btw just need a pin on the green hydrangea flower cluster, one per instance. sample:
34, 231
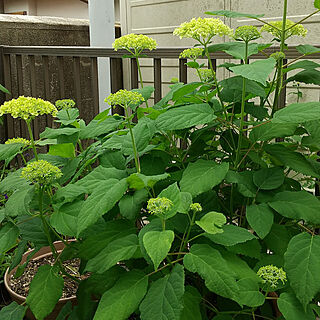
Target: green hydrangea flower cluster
65, 104
206, 75
278, 55
247, 33
135, 42
195, 207
124, 98
297, 30
192, 53
27, 108
41, 172
271, 275
159, 206
203, 29
23, 141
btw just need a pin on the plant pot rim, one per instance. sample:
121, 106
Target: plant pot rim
8, 274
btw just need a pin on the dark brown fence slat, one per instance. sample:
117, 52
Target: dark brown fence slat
46, 78
33, 86
94, 84
134, 74
214, 64
61, 77
7, 83
157, 79
183, 70
3, 133
116, 74
19, 125
76, 78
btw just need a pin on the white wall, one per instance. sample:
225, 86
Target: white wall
15, 6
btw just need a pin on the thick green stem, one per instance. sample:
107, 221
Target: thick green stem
189, 230
32, 140
135, 152
280, 61
242, 116
140, 76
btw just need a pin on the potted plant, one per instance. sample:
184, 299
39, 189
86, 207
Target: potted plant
224, 227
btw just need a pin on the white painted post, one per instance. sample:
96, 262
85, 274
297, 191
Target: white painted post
102, 34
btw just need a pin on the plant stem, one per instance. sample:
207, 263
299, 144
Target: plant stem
140, 76
243, 103
167, 265
136, 156
186, 240
32, 140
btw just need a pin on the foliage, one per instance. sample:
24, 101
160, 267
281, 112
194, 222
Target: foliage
201, 209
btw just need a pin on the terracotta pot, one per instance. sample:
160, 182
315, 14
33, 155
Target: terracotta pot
43, 252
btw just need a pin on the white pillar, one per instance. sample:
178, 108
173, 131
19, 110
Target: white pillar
102, 22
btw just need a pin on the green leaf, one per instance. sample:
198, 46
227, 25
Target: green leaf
186, 89
172, 193
19, 202
139, 181
3, 89
13, 181
64, 219
233, 14
146, 92
113, 159
50, 133
231, 235
117, 250
65, 311
13, 311
251, 248
45, 291
307, 49
303, 64
157, 245
260, 218
210, 265
249, 293
291, 308
202, 176
164, 298
106, 195
130, 205
97, 128
67, 117
272, 130
65, 150
212, 222
123, 298
244, 181
185, 117
298, 113
297, 205
302, 263
191, 304
294, 160
268, 178
186, 201
9, 151
8, 236
256, 71
278, 238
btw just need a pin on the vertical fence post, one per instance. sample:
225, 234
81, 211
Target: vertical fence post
116, 76
2, 95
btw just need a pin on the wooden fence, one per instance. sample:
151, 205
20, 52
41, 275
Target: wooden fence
26, 70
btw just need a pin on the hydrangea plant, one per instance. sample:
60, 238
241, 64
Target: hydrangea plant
204, 208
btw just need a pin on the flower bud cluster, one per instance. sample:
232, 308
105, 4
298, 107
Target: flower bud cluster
65, 104
159, 206
195, 207
271, 275
23, 141
206, 75
247, 33
192, 53
136, 42
124, 98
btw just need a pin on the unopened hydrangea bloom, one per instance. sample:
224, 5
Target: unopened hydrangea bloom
23, 141
298, 30
159, 205
271, 275
192, 53
203, 29
134, 43
206, 75
27, 108
195, 207
124, 98
247, 33
65, 104
278, 55
41, 172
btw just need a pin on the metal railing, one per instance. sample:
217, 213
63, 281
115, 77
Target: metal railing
71, 72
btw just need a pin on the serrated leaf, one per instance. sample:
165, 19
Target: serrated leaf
231, 235
277, 239
202, 176
268, 178
19, 201
9, 151
123, 298
298, 113
191, 304
117, 250
164, 298
172, 193
13, 181
294, 160
233, 14
8, 236
260, 218
130, 205
251, 248
302, 263
45, 291
97, 128
297, 205
157, 245
256, 71
249, 294
106, 195
212, 222
139, 181
291, 308
307, 49
64, 150
185, 117
272, 130
50, 133
13, 311
210, 265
